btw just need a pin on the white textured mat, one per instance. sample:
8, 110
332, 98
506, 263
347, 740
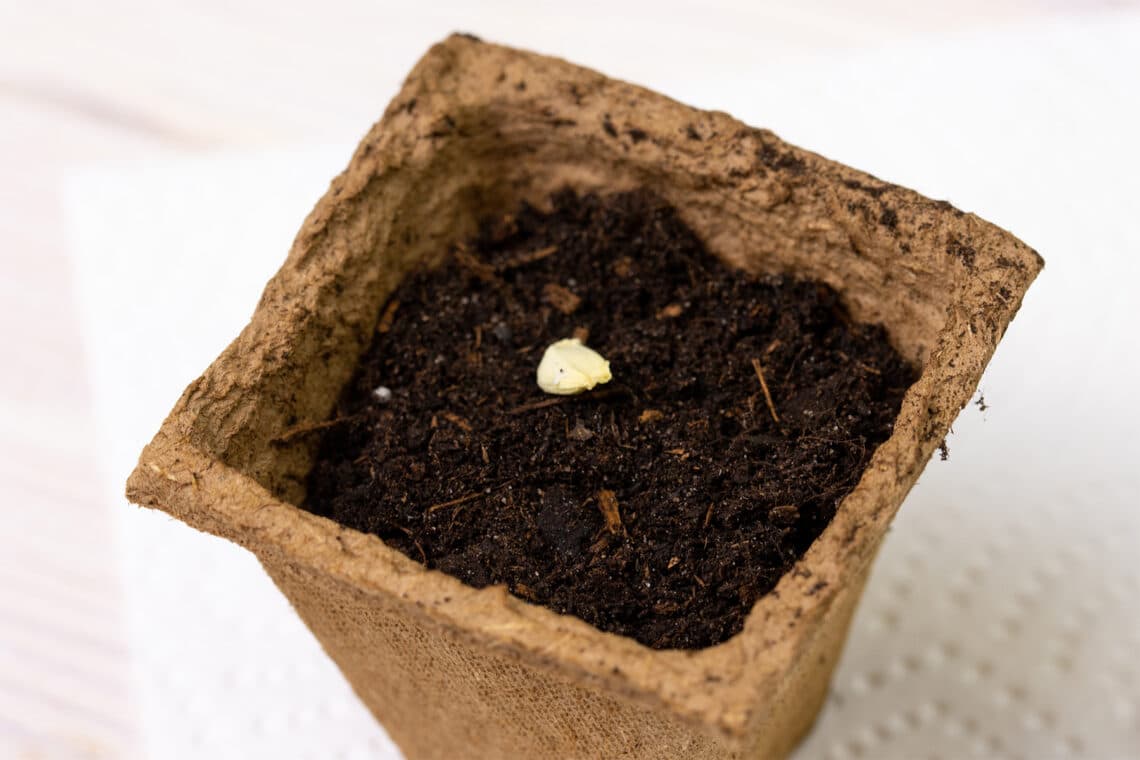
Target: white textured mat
1002, 617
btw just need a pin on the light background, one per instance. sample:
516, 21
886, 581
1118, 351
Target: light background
999, 621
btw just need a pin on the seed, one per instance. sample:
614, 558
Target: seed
568, 367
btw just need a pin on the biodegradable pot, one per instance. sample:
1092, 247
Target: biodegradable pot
457, 672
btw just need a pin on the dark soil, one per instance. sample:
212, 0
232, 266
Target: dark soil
660, 506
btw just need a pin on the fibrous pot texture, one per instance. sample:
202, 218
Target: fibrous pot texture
453, 671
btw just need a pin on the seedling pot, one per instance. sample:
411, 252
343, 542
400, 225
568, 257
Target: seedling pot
457, 672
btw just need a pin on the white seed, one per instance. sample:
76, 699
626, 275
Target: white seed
569, 367
383, 394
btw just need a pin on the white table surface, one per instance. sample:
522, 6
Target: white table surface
124, 82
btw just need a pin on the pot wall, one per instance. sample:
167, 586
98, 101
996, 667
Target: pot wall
441, 698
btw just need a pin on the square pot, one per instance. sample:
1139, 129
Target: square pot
453, 671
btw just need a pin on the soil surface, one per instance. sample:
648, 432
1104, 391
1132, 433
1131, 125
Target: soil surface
659, 506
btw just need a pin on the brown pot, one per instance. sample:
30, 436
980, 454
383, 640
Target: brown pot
457, 672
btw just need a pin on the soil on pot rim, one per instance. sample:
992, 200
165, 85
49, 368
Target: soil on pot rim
659, 506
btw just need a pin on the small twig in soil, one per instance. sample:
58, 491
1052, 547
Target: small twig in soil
764, 386
454, 502
458, 421
385, 323
540, 404
597, 395
295, 432
529, 258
